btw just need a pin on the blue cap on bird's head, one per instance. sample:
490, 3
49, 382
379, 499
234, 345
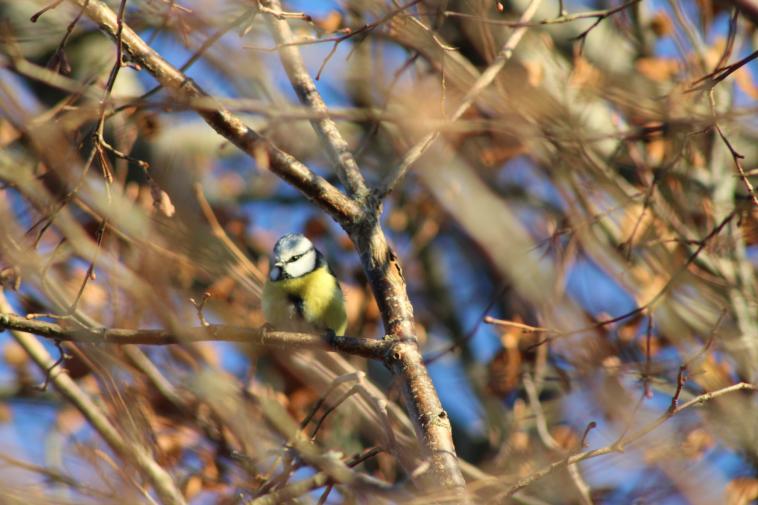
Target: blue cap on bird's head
291, 244
294, 255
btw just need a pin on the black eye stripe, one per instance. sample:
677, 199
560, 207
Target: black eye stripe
298, 256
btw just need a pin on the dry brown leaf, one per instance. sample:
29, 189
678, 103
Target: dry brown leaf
656, 453
300, 401
627, 331
10, 278
69, 420
658, 69
6, 414
14, 355
612, 365
397, 220
585, 74
661, 24
503, 372
329, 23
496, 155
535, 72
173, 442
519, 441
209, 352
315, 227
749, 227
745, 82
8, 133
163, 204
565, 436
741, 491
713, 374
696, 443
193, 487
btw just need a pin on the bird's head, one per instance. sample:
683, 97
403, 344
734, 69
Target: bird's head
294, 256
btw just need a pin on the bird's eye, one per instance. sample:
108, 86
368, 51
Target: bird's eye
295, 258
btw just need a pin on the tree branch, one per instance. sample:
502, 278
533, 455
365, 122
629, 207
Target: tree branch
161, 480
372, 349
625, 440
484, 80
336, 146
361, 221
316, 188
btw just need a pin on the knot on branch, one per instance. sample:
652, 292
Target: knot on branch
439, 418
398, 348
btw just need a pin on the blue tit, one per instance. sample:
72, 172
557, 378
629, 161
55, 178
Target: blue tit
302, 293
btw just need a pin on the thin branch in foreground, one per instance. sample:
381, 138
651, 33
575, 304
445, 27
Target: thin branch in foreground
736, 156
316, 481
161, 480
368, 348
561, 19
710, 80
58, 362
314, 187
620, 444
212, 39
551, 334
484, 80
200, 308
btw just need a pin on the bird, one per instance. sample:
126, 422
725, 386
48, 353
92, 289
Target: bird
301, 292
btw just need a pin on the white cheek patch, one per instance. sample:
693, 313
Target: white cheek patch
304, 265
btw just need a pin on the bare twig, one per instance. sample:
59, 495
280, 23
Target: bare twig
199, 308
544, 433
710, 80
361, 221
207, 43
320, 191
259, 336
737, 157
701, 244
620, 444
161, 480
484, 80
336, 146
58, 362
314, 482
562, 18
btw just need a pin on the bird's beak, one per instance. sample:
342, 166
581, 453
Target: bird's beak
276, 271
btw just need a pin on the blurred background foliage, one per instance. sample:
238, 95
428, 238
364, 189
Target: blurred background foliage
588, 182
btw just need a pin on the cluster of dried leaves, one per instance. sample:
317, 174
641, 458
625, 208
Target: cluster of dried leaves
538, 147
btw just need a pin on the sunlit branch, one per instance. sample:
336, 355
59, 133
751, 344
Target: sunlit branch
316, 188
369, 348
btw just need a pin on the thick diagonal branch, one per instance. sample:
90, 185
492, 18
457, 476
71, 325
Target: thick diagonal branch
316, 188
361, 221
422, 403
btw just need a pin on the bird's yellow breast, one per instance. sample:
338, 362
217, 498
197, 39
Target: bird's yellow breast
323, 306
